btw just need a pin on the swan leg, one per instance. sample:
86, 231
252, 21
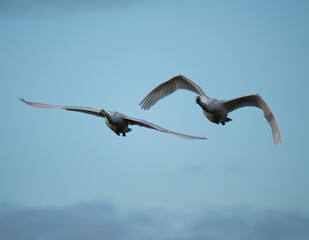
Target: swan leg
226, 120
118, 134
123, 134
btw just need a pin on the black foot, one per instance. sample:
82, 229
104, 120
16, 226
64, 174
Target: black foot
118, 134
223, 123
124, 134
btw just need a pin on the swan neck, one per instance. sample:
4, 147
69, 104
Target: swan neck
107, 116
203, 105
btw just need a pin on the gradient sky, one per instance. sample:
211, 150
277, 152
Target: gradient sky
60, 170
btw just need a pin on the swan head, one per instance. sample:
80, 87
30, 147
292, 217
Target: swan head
197, 99
102, 112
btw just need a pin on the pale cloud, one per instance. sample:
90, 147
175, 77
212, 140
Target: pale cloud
102, 221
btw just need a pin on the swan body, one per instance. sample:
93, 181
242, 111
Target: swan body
117, 122
215, 110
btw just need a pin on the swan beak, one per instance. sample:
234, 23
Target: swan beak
197, 99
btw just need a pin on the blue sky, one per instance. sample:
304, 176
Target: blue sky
59, 166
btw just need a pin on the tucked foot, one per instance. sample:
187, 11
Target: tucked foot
123, 134
226, 120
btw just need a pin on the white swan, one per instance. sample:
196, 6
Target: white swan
117, 122
215, 110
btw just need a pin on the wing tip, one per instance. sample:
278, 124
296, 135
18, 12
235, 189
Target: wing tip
277, 141
145, 107
23, 100
277, 138
194, 138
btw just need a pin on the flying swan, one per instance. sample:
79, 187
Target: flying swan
117, 122
215, 110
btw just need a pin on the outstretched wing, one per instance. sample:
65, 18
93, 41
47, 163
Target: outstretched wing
255, 100
143, 123
167, 88
77, 109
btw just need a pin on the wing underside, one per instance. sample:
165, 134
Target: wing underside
169, 87
143, 123
255, 100
69, 108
